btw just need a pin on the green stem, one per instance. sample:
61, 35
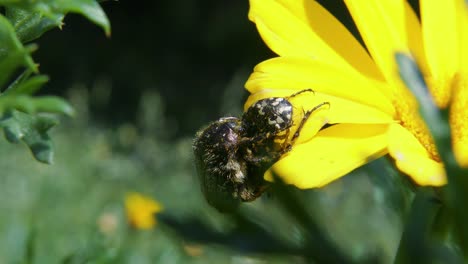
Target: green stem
455, 194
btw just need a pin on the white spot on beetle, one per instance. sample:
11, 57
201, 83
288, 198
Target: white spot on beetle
285, 108
279, 120
276, 101
260, 111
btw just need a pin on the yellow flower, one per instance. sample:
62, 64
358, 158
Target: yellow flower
371, 112
141, 210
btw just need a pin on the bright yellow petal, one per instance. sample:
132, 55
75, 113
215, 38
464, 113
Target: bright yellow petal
458, 121
331, 154
413, 159
304, 28
340, 110
385, 26
459, 106
439, 23
424, 171
414, 38
462, 27
141, 210
301, 73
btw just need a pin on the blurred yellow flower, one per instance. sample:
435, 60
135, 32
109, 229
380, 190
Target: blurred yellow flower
371, 112
141, 210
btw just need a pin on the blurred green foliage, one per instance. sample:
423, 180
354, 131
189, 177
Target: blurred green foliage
73, 212
436, 229
21, 22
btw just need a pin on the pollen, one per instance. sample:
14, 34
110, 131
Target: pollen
406, 110
453, 94
440, 89
459, 119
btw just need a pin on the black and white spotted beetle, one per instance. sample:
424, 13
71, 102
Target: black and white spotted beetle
232, 154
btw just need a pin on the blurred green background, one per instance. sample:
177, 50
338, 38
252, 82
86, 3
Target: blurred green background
169, 68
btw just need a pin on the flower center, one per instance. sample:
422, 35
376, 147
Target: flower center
440, 90
453, 92
406, 109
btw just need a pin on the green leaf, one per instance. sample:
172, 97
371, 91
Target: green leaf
437, 120
52, 104
9, 43
28, 104
32, 130
30, 25
9, 64
23, 86
12, 53
89, 9
417, 244
32, 18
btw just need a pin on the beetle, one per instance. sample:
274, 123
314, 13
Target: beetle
223, 172
232, 154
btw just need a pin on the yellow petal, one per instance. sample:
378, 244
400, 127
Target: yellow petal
331, 154
301, 73
439, 29
458, 121
340, 110
414, 38
462, 27
141, 210
385, 26
413, 159
304, 28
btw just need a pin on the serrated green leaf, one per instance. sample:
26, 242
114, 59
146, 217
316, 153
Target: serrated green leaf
10, 44
9, 64
19, 79
12, 53
30, 24
55, 10
44, 122
41, 147
32, 130
13, 132
89, 9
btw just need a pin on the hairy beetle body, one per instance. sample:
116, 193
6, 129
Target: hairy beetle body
232, 154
